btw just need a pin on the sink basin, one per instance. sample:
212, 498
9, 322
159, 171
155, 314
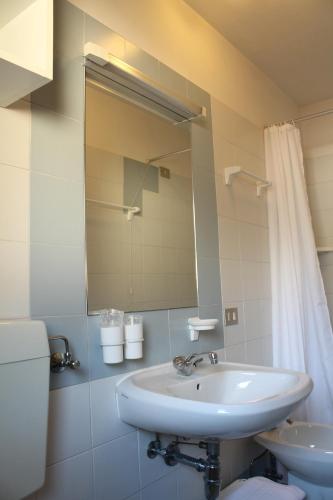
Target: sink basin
227, 400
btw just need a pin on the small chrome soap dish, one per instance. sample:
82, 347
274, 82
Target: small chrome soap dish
197, 325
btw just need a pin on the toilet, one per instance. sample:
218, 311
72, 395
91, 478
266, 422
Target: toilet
24, 396
306, 450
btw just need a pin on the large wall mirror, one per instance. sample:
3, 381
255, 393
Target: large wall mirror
139, 206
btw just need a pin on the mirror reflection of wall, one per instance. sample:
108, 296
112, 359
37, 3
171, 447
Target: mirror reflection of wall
147, 262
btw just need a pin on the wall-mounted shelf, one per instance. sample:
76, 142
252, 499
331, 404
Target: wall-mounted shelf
26, 47
197, 325
131, 211
231, 172
324, 249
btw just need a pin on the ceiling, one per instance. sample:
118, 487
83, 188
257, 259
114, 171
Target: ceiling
290, 40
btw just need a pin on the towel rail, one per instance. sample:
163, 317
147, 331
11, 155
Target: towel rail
131, 211
231, 172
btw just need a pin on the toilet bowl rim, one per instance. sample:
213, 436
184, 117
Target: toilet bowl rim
276, 437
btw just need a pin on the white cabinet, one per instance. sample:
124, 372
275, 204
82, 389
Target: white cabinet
26, 47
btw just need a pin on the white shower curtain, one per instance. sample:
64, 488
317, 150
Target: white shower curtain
302, 333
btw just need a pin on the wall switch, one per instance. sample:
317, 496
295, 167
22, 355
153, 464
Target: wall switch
231, 316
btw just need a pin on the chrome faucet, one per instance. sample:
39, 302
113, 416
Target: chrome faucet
185, 364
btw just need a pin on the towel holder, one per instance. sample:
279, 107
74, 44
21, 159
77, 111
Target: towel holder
231, 172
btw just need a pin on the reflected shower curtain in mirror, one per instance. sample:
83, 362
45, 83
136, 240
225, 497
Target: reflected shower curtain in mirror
302, 333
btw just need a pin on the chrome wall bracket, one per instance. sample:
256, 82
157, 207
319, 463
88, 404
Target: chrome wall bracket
210, 466
61, 360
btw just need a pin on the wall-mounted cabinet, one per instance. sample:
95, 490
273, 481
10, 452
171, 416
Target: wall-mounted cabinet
26, 47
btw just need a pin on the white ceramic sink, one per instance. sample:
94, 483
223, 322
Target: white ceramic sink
227, 400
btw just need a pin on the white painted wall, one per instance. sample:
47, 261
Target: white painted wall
176, 35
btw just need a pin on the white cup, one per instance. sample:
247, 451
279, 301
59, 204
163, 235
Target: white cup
133, 328
112, 335
113, 354
133, 349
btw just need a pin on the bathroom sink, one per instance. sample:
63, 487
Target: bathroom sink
227, 400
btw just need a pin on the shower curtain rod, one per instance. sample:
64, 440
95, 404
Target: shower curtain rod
304, 118
166, 155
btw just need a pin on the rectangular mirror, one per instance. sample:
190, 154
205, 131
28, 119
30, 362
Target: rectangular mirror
139, 206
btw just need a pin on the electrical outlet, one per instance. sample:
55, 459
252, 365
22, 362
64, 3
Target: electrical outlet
231, 316
165, 172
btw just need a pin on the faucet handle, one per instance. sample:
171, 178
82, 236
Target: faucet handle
61, 360
213, 358
197, 361
179, 362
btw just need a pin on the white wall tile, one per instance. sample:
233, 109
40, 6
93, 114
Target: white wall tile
325, 259
105, 422
14, 203
69, 480
163, 489
225, 198
320, 195
317, 133
249, 162
236, 353
151, 469
256, 280
231, 281
251, 248
241, 452
227, 457
69, 422
249, 208
15, 133
259, 351
190, 484
322, 223
319, 169
225, 152
229, 239
14, 277
116, 468
252, 319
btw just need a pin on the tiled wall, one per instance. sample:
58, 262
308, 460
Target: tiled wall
243, 233
317, 138
82, 407
57, 214
86, 438
92, 455
244, 254
14, 210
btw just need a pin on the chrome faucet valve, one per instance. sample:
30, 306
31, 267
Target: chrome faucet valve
185, 364
61, 360
213, 358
